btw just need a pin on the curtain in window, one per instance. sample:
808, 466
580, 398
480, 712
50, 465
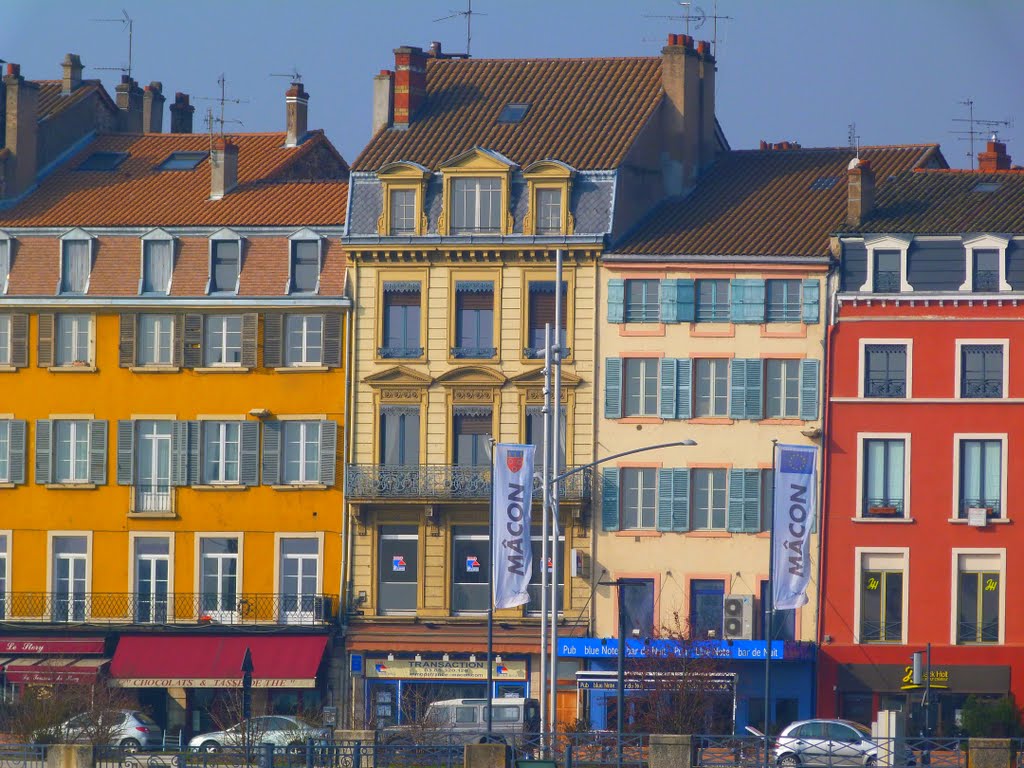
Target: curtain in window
76, 266
982, 468
156, 277
400, 435
884, 464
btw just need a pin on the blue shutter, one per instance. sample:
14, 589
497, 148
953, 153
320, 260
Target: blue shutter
809, 389
755, 393
125, 452
249, 453
736, 501
665, 500
751, 500
747, 301
44, 446
16, 451
272, 452
738, 389
616, 301
684, 379
669, 390
669, 294
686, 303
680, 499
610, 499
98, 452
613, 388
811, 301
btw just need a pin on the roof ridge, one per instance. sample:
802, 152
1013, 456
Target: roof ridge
792, 149
972, 171
542, 58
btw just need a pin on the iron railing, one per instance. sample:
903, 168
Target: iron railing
732, 751
992, 507
885, 388
972, 387
986, 280
22, 756
411, 353
881, 631
783, 312
475, 353
443, 481
887, 282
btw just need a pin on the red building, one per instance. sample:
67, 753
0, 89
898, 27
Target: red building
922, 536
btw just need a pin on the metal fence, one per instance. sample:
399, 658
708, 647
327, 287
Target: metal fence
443, 481
748, 752
22, 756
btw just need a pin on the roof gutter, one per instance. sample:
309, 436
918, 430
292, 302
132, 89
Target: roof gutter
193, 302
711, 259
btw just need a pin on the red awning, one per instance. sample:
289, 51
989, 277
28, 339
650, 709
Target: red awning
169, 661
58, 646
43, 670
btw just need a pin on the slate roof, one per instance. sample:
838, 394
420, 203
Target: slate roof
585, 112
52, 102
774, 202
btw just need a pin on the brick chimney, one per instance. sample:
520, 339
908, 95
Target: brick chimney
708, 142
223, 168
72, 66
383, 100
129, 104
181, 114
410, 83
681, 115
153, 108
297, 114
860, 192
21, 133
994, 158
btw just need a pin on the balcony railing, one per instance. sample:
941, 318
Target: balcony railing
986, 281
990, 505
982, 388
443, 481
410, 353
163, 609
886, 388
887, 282
881, 631
475, 353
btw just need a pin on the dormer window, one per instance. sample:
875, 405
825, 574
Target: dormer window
986, 264
157, 263
887, 272
887, 264
549, 211
305, 266
476, 206
548, 184
5, 262
225, 262
75, 262
986, 271
513, 113
403, 212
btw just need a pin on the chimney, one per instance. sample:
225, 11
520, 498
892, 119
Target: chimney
680, 78
181, 114
297, 109
72, 66
153, 108
410, 83
708, 142
383, 100
223, 168
860, 192
21, 132
994, 158
129, 104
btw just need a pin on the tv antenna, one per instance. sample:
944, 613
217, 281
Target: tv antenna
977, 128
853, 138
695, 15
128, 23
469, 13
294, 76
222, 100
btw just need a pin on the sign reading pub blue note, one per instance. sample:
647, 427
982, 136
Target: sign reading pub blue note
511, 499
796, 480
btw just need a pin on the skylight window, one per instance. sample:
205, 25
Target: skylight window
986, 186
103, 161
513, 113
824, 182
182, 161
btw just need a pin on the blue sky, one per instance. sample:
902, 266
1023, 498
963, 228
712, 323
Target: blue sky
798, 70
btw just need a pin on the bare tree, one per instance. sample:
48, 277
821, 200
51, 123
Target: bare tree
89, 714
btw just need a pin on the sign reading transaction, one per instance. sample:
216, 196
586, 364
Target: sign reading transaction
439, 669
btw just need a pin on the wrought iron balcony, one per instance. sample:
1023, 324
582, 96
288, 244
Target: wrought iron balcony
410, 353
881, 631
986, 281
991, 506
884, 508
475, 353
886, 388
443, 481
887, 282
981, 388
177, 608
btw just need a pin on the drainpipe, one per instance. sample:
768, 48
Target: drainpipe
346, 527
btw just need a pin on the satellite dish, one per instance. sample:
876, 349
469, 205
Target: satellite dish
853, 164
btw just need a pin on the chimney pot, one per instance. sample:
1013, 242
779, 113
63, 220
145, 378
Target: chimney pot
860, 192
704, 48
223, 168
130, 105
994, 158
296, 114
181, 114
153, 108
763, 145
435, 49
72, 73
14, 70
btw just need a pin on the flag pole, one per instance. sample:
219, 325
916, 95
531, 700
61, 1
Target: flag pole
545, 477
769, 616
490, 591
556, 428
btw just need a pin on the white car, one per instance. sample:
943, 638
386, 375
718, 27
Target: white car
834, 744
279, 730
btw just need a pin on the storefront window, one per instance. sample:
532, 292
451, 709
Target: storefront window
471, 561
397, 568
637, 601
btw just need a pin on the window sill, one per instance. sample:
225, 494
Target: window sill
5, 484
8, 369
642, 329
145, 515
301, 487
641, 420
71, 486
302, 369
775, 330
712, 330
154, 368
991, 521
219, 487
222, 369
884, 520
645, 533
72, 369
709, 534
789, 422
711, 420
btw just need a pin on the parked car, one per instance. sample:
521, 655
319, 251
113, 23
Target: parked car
129, 729
279, 730
834, 744
512, 721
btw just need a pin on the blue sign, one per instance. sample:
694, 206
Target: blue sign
356, 663
741, 650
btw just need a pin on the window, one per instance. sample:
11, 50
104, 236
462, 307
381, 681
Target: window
157, 266
783, 623
5, 452
70, 557
549, 211
885, 370
75, 266
182, 161
220, 452
782, 394
73, 347
981, 469
887, 271
636, 598
403, 211
219, 576
5, 339
981, 370
399, 435
476, 206
978, 600
305, 255
986, 271
304, 344
535, 433
301, 452
783, 301
157, 340
152, 578
639, 507
3, 574
513, 113
711, 387
472, 431
224, 265
397, 569
401, 322
153, 466
642, 303
707, 598
640, 397
542, 312
884, 481
712, 301
471, 562
709, 499
534, 588
102, 161
300, 559
222, 343
881, 606
71, 439
5, 261
474, 319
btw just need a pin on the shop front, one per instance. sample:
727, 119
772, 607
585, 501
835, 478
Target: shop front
51, 661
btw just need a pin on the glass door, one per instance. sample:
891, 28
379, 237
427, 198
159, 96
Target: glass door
69, 587
152, 579
299, 563
153, 482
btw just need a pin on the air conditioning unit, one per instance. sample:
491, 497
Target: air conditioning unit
738, 617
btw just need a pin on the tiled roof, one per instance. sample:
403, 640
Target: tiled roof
775, 202
584, 112
305, 185
949, 202
52, 102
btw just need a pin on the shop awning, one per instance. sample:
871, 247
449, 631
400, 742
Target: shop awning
170, 661
45, 670
51, 646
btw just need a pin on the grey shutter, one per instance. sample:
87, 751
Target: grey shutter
811, 301
665, 500
328, 452
738, 389
737, 507
250, 331
684, 380
44, 447
192, 341
272, 452
332, 339
195, 437
179, 453
809, 389
126, 346
616, 301
44, 356
680, 499
19, 340
669, 294
751, 500
755, 389
249, 453
610, 499
178, 352
16, 451
125, 452
687, 302
613, 388
668, 375
98, 452
273, 340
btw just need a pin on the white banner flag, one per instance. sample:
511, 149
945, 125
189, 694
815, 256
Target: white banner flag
796, 482
511, 498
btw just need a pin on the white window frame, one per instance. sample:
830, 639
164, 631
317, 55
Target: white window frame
539, 227
220, 424
155, 234
986, 242
907, 454
133, 536
77, 424
6, 253
646, 383
7, 535
962, 557
145, 498
75, 234
304, 424
392, 209
208, 363
783, 391
710, 499
727, 362
888, 559
887, 243
226, 617
223, 234
300, 615
958, 367
863, 364
286, 346
1004, 467
475, 227
87, 535
302, 234
638, 501
6, 322
139, 346
5, 454
91, 342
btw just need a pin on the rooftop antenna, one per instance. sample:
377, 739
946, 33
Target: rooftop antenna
294, 76
128, 23
853, 138
469, 13
984, 128
222, 100
694, 15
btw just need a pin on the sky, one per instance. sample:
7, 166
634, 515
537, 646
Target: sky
796, 70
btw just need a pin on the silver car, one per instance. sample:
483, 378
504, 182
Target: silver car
279, 730
833, 743
126, 728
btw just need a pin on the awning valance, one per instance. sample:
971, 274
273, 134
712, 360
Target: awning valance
46, 670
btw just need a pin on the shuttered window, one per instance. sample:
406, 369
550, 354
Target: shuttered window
711, 387
640, 392
5, 451
782, 390
222, 340
5, 262
784, 301
5, 339
638, 498
221, 447
73, 346
708, 506
542, 312
71, 451
156, 340
301, 452
304, 337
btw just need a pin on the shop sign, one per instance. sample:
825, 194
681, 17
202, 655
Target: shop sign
608, 648
439, 669
63, 646
962, 678
210, 682
939, 679
51, 676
